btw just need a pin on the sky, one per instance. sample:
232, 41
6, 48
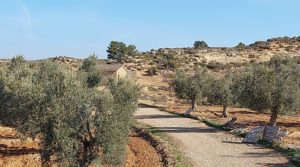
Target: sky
40, 29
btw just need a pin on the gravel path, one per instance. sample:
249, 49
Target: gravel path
209, 147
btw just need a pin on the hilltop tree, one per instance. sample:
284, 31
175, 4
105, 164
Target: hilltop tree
274, 86
200, 45
241, 46
191, 87
219, 93
131, 50
119, 50
74, 122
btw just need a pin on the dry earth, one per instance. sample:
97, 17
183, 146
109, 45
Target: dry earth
208, 147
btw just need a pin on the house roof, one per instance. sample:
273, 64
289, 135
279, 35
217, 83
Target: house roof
110, 67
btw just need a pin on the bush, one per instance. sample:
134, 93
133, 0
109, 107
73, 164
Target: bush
89, 67
89, 64
94, 78
213, 65
152, 71
241, 46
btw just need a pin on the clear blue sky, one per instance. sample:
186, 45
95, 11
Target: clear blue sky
45, 28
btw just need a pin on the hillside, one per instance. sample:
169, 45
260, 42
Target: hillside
218, 58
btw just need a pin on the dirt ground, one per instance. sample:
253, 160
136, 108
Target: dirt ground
156, 93
18, 153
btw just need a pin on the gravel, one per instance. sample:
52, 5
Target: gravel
209, 147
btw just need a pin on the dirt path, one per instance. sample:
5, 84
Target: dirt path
208, 147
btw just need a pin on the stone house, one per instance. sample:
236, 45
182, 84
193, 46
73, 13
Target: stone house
117, 71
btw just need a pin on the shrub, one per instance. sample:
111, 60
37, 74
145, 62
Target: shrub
241, 46
152, 71
89, 64
93, 75
213, 65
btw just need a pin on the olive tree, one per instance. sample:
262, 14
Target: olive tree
191, 86
74, 122
89, 64
219, 93
274, 86
94, 75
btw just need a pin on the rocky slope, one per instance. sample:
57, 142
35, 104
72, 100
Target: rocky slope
218, 58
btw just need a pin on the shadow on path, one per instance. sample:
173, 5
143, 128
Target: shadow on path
182, 130
156, 116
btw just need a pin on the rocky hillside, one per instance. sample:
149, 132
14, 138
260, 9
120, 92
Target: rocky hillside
218, 58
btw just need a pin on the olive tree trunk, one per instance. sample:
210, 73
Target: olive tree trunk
225, 112
194, 104
274, 115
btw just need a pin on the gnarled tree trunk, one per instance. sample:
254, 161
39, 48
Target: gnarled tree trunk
225, 112
194, 104
274, 115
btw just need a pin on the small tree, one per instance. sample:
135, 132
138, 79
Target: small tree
241, 46
89, 66
191, 87
200, 45
274, 86
219, 93
131, 50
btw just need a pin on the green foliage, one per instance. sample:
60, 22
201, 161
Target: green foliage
131, 50
252, 88
17, 61
274, 86
75, 122
94, 78
219, 91
93, 75
191, 87
241, 46
89, 64
118, 51
200, 45
168, 61
118, 120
